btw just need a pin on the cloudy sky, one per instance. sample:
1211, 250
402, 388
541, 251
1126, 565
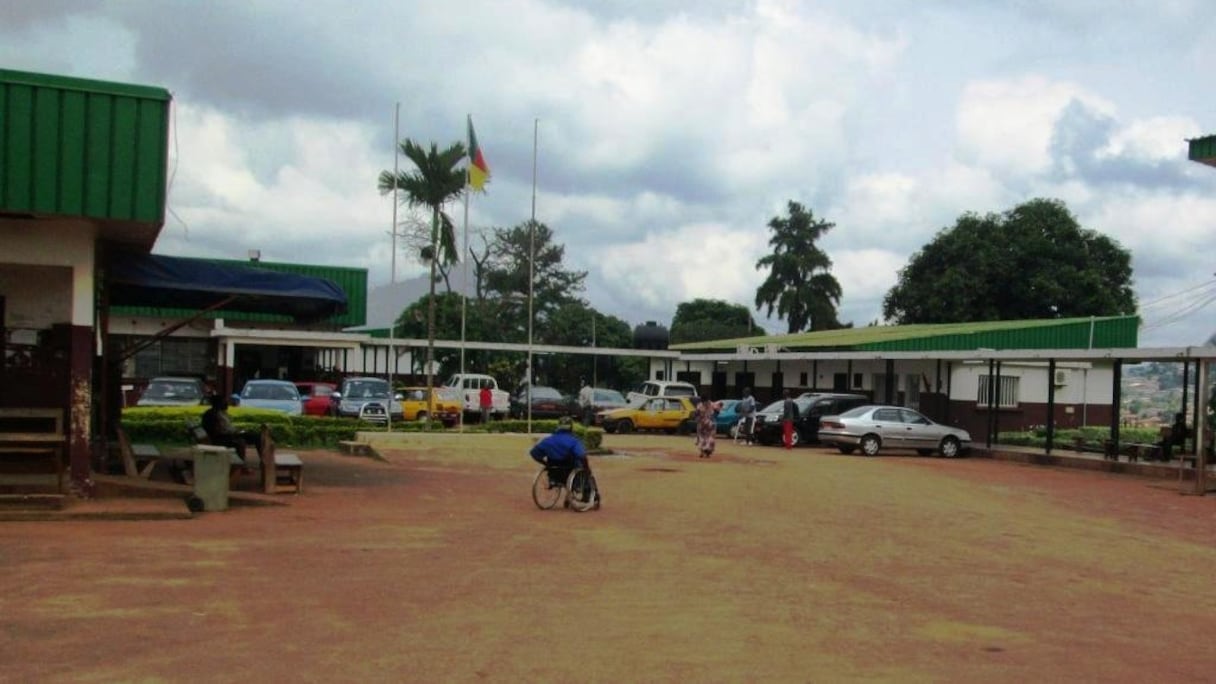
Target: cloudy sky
669, 133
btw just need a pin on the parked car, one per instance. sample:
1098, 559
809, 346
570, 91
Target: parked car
172, 392
725, 418
661, 388
872, 428
356, 393
656, 413
317, 398
592, 400
547, 402
273, 395
445, 405
811, 407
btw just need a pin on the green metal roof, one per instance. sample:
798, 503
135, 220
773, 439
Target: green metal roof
1203, 150
353, 282
1054, 333
77, 147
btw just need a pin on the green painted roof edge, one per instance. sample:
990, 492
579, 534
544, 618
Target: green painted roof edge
1202, 150
888, 337
30, 78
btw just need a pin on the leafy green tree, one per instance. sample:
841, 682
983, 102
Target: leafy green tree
1033, 261
506, 273
436, 180
711, 319
799, 283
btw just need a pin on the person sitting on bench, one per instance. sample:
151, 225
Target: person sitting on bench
222, 432
1177, 437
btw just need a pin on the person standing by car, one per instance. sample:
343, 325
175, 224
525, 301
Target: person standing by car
707, 427
747, 417
789, 411
485, 399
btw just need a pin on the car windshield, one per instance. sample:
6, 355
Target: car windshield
365, 389
268, 391
609, 396
168, 389
543, 393
856, 412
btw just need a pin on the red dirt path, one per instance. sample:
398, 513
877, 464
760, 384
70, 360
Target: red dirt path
759, 564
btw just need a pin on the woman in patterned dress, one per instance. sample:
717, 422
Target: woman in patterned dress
706, 427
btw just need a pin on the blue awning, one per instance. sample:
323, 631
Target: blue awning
136, 279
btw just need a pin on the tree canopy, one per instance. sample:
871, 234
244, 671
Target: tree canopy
1033, 261
499, 312
711, 319
799, 284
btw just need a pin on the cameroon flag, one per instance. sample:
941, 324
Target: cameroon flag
479, 171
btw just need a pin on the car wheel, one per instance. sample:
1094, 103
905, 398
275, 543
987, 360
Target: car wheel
625, 426
870, 444
421, 417
796, 438
846, 450
950, 447
733, 431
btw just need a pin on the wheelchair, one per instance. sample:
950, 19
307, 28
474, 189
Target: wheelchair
576, 486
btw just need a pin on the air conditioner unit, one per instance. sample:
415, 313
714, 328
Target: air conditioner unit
1061, 377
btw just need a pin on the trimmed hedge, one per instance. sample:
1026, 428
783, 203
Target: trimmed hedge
167, 426
1091, 437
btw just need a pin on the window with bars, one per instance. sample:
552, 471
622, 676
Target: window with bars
1006, 391
173, 357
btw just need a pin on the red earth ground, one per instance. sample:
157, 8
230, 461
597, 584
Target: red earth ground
759, 564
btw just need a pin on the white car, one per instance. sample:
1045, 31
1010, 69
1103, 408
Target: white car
872, 428
661, 388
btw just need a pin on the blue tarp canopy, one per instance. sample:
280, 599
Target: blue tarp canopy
136, 279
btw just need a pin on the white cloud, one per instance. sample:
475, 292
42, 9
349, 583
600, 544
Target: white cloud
1007, 125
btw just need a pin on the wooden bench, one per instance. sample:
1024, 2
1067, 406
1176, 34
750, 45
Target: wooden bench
138, 460
354, 448
281, 472
35, 432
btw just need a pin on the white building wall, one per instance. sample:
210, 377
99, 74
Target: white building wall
46, 272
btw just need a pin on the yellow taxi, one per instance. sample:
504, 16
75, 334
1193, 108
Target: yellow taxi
655, 413
445, 405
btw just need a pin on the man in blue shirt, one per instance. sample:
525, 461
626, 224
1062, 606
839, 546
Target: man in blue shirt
563, 452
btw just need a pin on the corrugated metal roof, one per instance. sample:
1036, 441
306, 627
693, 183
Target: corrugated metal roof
77, 147
1055, 333
353, 282
1203, 150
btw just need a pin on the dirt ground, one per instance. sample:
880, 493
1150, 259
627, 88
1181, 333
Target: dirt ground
758, 565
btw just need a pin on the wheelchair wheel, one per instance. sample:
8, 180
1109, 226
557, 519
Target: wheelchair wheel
544, 494
582, 491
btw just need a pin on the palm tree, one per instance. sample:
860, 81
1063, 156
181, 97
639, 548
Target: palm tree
799, 283
437, 179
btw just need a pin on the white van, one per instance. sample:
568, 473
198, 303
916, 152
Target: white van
661, 388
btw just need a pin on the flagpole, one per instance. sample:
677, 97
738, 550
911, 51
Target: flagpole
392, 324
464, 287
531, 259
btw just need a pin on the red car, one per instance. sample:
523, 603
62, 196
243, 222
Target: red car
315, 397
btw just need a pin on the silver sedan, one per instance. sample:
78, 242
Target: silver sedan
872, 428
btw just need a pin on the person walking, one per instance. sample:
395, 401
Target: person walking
706, 427
747, 418
789, 411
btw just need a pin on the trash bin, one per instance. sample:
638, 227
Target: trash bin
211, 464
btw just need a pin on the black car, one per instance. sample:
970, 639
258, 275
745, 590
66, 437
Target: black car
811, 407
547, 402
